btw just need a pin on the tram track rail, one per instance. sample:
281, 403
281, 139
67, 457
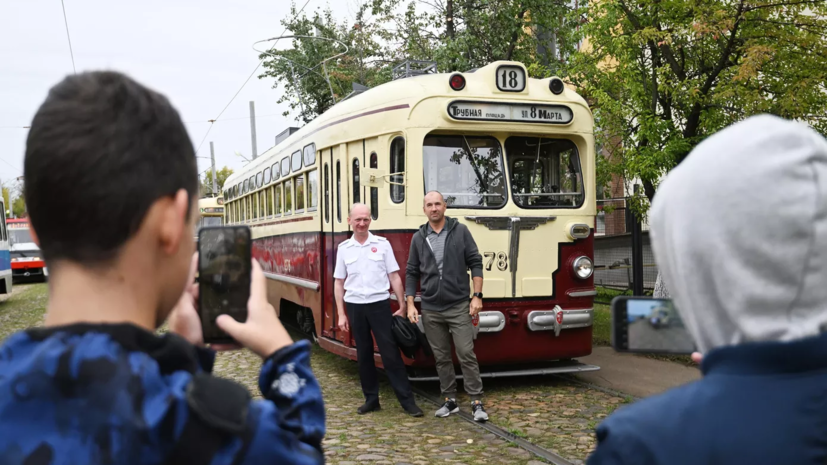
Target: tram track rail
545, 454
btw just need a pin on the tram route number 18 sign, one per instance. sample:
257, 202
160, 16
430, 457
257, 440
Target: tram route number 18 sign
522, 112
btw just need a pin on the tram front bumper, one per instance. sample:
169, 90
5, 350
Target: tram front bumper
558, 319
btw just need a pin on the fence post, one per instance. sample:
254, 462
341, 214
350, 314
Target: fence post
637, 250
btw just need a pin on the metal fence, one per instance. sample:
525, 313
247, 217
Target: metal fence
618, 236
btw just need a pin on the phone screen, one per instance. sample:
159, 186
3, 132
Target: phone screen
224, 274
648, 325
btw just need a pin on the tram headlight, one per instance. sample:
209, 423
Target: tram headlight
583, 267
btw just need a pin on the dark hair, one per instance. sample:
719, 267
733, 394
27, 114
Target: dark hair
101, 150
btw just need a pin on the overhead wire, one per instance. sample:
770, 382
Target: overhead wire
66, 22
212, 121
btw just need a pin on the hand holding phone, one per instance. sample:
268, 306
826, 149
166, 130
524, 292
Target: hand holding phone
648, 325
262, 333
232, 293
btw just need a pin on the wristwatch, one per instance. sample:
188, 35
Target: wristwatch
477, 294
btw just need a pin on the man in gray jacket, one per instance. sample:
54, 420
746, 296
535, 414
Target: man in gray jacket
442, 252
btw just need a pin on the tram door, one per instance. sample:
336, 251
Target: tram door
337, 229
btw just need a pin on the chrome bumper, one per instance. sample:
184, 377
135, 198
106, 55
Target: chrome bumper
558, 319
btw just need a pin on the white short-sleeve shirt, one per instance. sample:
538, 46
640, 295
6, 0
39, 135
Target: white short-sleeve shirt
365, 268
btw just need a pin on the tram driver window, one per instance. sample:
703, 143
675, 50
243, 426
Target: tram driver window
545, 173
467, 170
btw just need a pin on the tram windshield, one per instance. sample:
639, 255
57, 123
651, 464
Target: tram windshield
19, 236
212, 221
467, 170
545, 173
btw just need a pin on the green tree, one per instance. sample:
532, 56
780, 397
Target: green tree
663, 75
311, 88
6, 198
467, 34
220, 177
19, 207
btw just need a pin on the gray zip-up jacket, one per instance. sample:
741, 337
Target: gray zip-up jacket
460, 255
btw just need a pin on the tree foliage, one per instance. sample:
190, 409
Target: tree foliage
220, 177
663, 75
459, 35
310, 87
19, 207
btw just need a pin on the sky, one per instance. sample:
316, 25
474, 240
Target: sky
197, 53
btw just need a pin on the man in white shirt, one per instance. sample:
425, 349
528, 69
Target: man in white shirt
365, 268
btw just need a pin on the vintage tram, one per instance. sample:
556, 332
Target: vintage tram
514, 158
211, 213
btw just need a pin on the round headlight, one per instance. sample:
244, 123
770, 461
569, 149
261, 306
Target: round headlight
583, 267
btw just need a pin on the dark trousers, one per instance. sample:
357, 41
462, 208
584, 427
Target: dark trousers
377, 317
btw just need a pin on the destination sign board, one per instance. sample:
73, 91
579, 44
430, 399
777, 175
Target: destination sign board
517, 112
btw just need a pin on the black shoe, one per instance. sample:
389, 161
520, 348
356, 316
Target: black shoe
413, 410
368, 407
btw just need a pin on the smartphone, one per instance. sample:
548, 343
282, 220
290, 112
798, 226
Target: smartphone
224, 275
649, 325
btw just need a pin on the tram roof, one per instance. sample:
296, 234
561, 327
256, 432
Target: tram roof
479, 84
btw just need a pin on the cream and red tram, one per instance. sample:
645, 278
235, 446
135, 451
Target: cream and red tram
514, 158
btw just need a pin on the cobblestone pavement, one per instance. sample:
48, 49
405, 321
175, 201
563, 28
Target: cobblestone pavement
549, 412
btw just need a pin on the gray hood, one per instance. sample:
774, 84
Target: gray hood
739, 231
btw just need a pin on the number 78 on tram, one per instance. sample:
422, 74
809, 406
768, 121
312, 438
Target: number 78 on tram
514, 158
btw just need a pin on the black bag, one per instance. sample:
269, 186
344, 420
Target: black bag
407, 336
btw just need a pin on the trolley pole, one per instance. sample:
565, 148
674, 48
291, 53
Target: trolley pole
253, 127
212, 158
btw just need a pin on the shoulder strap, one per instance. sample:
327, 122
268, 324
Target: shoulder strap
218, 411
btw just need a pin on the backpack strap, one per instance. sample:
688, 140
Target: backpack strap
218, 410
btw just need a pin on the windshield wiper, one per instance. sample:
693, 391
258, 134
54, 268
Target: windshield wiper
483, 184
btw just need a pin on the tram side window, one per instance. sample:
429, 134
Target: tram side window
313, 190
326, 193
262, 202
397, 166
356, 188
278, 190
339, 191
275, 168
285, 166
249, 208
255, 206
545, 173
243, 209
299, 194
467, 170
269, 194
310, 155
288, 197
374, 191
296, 160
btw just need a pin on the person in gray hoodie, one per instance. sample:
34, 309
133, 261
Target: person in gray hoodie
739, 231
442, 252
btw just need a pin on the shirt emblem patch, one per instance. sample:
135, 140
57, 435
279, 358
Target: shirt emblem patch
373, 249
289, 383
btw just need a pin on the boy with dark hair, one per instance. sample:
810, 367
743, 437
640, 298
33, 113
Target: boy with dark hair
111, 187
